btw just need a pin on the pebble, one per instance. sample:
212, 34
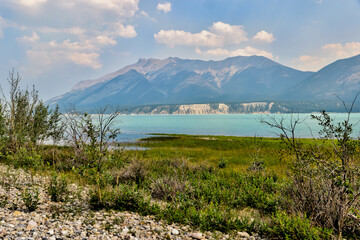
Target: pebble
197, 235
243, 234
31, 225
175, 232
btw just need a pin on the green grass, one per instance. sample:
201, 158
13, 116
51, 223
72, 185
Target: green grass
239, 152
201, 181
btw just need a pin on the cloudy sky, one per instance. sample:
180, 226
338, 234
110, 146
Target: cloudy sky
56, 43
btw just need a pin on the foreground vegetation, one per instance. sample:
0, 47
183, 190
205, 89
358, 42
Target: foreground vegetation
282, 188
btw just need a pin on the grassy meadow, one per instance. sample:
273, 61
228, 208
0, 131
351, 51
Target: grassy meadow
212, 183
236, 152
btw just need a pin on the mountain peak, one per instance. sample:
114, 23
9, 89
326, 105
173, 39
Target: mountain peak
180, 81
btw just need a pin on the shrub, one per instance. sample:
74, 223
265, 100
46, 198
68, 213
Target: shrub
168, 187
257, 166
210, 217
295, 227
135, 171
123, 198
58, 189
222, 163
128, 198
26, 158
325, 178
26, 120
3, 200
91, 136
30, 198
101, 199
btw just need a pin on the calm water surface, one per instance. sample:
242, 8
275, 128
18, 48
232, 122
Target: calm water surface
138, 126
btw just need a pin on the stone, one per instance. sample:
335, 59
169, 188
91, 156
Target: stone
31, 225
174, 232
157, 229
197, 235
243, 234
17, 213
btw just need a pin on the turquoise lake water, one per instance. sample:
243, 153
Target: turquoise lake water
138, 126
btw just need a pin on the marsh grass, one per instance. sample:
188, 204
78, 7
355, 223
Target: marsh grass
238, 152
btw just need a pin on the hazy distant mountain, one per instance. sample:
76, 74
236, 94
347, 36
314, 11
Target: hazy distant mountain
181, 81
341, 78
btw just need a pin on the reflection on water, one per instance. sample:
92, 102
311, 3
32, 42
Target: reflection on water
136, 126
136, 148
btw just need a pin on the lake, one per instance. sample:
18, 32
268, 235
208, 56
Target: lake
138, 126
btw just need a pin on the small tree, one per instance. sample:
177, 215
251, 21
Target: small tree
25, 120
92, 135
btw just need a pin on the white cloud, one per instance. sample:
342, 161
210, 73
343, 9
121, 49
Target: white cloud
127, 31
31, 3
46, 55
29, 39
145, 14
84, 51
71, 30
122, 7
250, 51
172, 38
230, 34
311, 63
339, 50
213, 52
219, 34
247, 51
165, 7
88, 27
328, 54
85, 59
264, 36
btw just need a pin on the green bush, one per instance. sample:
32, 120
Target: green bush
30, 198
222, 163
26, 158
288, 227
123, 198
24, 119
58, 189
128, 198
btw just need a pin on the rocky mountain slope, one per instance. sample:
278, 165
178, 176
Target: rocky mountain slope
210, 108
341, 78
181, 81
164, 85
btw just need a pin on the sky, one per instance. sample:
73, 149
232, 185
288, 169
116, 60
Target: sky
54, 44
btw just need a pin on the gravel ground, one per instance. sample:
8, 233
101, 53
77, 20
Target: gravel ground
74, 219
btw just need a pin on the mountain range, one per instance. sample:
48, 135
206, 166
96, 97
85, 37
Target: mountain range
175, 82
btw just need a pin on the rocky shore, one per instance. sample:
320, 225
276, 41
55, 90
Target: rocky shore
74, 220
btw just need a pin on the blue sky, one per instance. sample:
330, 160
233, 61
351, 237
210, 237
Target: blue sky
54, 44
